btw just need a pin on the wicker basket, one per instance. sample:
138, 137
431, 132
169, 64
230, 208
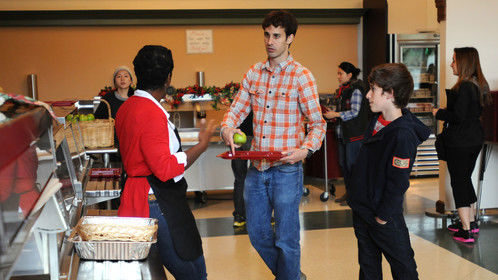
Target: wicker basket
98, 133
70, 132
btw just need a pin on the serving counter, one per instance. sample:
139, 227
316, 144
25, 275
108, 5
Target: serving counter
43, 176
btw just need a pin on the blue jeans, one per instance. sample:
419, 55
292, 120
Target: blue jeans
279, 190
348, 152
179, 268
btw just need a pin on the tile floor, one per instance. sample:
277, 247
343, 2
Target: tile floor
329, 246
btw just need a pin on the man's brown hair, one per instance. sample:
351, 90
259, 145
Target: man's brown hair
283, 19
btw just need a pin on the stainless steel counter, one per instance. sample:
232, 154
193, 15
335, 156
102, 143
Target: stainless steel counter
210, 172
148, 269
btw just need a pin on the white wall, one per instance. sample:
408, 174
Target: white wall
472, 23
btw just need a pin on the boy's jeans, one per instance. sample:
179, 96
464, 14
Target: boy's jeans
277, 189
391, 240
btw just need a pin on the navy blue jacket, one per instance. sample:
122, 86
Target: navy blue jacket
381, 173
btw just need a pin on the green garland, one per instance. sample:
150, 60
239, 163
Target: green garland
219, 95
223, 95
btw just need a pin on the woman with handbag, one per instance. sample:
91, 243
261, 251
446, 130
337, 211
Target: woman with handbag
463, 136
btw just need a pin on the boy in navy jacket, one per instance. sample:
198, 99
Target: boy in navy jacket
380, 176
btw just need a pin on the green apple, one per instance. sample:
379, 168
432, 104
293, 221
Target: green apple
69, 117
91, 117
83, 118
239, 139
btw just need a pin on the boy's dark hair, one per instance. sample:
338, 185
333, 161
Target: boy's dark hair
348, 67
153, 65
281, 18
395, 77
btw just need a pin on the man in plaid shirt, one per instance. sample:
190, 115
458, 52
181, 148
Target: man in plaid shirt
282, 95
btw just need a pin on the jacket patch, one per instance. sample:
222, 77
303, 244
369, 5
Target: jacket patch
401, 162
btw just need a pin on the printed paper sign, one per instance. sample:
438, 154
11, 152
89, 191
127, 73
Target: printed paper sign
199, 41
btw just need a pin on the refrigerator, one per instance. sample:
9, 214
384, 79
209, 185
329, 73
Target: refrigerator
420, 54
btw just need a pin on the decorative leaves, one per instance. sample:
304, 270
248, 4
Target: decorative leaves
219, 95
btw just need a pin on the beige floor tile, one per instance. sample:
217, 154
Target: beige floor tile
216, 208
425, 187
327, 253
480, 274
330, 254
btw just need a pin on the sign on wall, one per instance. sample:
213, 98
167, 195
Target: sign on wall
199, 41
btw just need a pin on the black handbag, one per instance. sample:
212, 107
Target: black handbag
440, 147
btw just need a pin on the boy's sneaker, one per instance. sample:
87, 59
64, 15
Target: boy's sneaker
239, 221
465, 236
474, 227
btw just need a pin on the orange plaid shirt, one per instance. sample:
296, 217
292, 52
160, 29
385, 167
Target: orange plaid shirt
282, 99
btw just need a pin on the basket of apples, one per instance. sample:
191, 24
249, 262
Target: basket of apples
96, 133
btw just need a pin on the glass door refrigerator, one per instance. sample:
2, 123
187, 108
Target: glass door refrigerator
420, 54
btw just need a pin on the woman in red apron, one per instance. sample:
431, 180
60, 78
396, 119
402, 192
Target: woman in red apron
155, 164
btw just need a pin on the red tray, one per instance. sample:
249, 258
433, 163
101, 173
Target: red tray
258, 155
104, 172
61, 103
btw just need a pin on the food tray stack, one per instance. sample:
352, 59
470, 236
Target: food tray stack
114, 238
104, 182
103, 188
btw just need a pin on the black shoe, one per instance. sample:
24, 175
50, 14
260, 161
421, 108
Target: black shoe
474, 227
455, 227
239, 221
465, 236
342, 198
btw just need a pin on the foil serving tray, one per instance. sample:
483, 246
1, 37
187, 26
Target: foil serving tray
256, 155
112, 250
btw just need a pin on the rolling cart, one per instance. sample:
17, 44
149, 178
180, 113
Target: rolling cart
317, 166
331, 172
325, 195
